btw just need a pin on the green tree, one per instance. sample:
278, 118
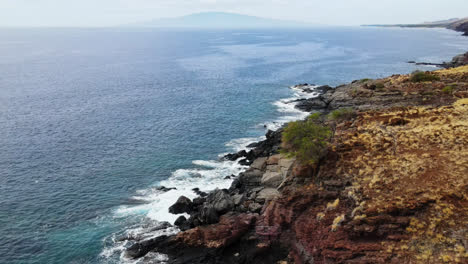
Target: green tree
306, 140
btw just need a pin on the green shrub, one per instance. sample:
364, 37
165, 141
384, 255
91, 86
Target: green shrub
448, 89
306, 140
379, 85
341, 114
364, 80
419, 76
314, 116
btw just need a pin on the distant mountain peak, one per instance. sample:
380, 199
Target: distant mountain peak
221, 20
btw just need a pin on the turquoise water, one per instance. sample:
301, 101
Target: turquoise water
92, 119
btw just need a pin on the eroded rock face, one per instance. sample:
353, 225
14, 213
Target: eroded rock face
361, 207
230, 229
251, 178
259, 164
267, 194
272, 179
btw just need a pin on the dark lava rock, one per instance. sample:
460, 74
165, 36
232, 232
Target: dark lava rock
323, 89
217, 203
199, 201
182, 223
198, 192
265, 148
209, 215
161, 226
236, 156
245, 162
140, 249
235, 185
220, 200
253, 145
183, 205
316, 103
311, 104
164, 188
180, 220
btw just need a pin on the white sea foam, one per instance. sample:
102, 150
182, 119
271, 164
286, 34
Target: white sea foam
206, 175
239, 144
209, 175
116, 252
287, 106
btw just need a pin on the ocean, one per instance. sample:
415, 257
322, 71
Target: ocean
93, 121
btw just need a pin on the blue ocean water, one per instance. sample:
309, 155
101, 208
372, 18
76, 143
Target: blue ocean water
91, 120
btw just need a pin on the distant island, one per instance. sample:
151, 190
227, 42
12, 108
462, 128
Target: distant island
457, 24
220, 20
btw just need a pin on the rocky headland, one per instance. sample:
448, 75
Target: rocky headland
391, 187
457, 24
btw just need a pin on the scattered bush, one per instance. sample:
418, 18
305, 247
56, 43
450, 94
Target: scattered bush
419, 76
379, 85
364, 80
306, 140
448, 89
341, 113
314, 116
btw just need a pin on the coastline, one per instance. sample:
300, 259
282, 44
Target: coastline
252, 221
257, 218
459, 25
115, 145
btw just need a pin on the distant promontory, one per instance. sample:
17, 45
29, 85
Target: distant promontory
457, 24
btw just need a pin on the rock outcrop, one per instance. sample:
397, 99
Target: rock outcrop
265, 148
461, 26
457, 61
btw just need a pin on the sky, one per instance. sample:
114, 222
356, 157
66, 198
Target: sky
103, 13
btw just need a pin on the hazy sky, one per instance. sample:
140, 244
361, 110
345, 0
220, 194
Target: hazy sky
118, 12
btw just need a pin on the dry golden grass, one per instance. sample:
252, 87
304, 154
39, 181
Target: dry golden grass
413, 160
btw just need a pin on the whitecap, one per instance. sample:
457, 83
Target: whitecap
239, 144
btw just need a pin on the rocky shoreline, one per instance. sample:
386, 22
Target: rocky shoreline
280, 211
457, 61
